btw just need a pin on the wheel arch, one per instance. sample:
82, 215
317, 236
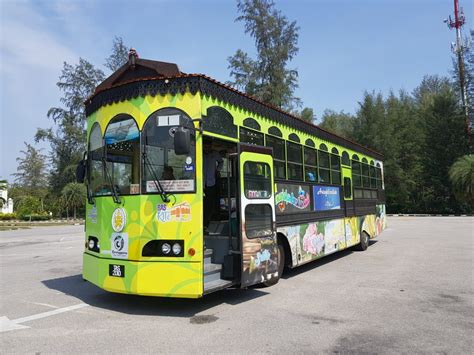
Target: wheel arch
283, 240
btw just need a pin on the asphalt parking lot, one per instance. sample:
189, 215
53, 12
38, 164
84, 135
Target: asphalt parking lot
411, 291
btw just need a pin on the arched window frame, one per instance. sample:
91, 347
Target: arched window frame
164, 148
274, 140
222, 123
252, 123
122, 156
310, 143
294, 138
345, 159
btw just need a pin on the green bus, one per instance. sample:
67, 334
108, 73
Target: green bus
193, 186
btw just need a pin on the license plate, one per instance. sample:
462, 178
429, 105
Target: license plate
116, 270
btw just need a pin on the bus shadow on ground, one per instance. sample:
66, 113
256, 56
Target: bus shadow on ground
88, 293
320, 262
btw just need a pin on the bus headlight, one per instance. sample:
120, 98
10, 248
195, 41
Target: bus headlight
165, 248
176, 248
91, 244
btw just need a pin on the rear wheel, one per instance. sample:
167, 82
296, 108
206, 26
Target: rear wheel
364, 242
281, 265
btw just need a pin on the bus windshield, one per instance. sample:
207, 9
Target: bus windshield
117, 166
175, 173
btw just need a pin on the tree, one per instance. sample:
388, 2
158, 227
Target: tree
267, 77
119, 55
307, 114
461, 175
73, 196
31, 171
77, 82
28, 205
340, 123
445, 141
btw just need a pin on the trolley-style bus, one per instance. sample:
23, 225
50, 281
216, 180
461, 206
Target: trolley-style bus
286, 192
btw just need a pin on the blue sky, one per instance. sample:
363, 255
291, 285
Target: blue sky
346, 47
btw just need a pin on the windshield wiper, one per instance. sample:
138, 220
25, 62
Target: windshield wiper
162, 192
110, 181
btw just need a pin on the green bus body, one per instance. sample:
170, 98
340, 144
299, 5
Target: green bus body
291, 192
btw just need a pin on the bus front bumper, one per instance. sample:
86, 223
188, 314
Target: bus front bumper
147, 278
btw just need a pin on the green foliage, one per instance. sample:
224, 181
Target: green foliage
7, 216
267, 77
340, 123
420, 136
35, 217
445, 141
27, 205
31, 169
73, 196
307, 114
77, 82
461, 175
119, 55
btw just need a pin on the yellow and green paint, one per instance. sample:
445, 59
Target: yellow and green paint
183, 276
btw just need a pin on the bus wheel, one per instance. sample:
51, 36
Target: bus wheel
281, 265
364, 242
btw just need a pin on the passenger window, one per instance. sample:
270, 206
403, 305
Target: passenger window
347, 188
257, 180
258, 221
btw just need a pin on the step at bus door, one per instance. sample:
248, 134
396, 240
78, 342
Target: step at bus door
257, 215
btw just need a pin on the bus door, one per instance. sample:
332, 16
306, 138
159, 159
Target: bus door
257, 215
349, 208
347, 191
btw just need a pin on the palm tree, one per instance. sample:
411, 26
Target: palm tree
73, 195
461, 175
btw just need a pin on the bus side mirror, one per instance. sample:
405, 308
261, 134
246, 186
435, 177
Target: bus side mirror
182, 141
81, 171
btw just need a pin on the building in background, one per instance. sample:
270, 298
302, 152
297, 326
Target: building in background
6, 203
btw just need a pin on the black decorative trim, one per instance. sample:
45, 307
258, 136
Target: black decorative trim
208, 87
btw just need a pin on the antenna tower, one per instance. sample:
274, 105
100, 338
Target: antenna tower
458, 48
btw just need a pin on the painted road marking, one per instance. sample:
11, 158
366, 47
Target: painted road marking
7, 324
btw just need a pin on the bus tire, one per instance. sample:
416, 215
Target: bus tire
364, 242
281, 265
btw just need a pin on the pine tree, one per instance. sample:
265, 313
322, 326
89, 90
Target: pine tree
267, 77
307, 114
77, 82
119, 55
445, 141
340, 123
32, 170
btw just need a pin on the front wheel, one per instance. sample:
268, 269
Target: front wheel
364, 242
281, 265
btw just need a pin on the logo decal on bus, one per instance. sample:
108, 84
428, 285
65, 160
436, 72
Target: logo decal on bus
178, 213
119, 219
119, 245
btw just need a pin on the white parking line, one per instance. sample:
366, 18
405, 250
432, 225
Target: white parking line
7, 324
